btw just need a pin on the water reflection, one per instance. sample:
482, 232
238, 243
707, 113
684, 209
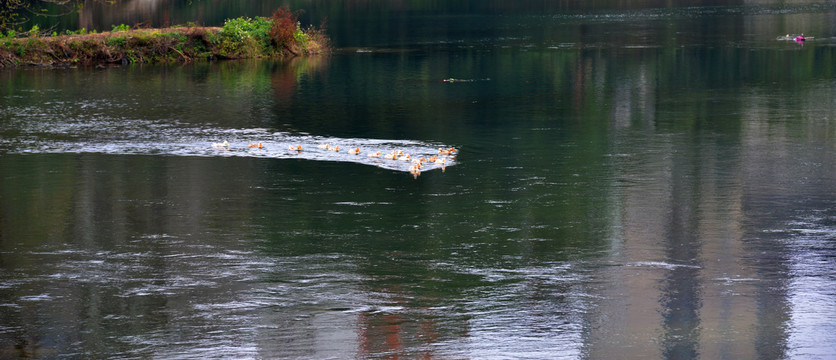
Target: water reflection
369, 23
637, 200
50, 122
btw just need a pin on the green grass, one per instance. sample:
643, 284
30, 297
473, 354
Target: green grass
121, 27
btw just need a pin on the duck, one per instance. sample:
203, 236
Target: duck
447, 151
391, 156
440, 161
295, 148
376, 154
354, 151
324, 146
223, 144
259, 145
405, 158
800, 38
415, 170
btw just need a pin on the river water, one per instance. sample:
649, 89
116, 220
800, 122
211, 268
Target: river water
636, 182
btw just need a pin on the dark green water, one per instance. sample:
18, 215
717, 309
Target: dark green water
633, 182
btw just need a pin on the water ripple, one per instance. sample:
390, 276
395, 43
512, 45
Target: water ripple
48, 133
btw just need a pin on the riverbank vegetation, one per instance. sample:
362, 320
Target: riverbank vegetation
278, 36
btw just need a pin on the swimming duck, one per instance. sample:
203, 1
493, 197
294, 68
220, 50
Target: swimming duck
415, 170
440, 161
295, 148
223, 144
354, 151
405, 158
391, 156
447, 151
259, 145
377, 154
335, 149
324, 146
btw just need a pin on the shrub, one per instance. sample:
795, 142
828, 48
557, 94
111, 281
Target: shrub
242, 36
267, 36
284, 26
82, 31
121, 27
316, 40
300, 37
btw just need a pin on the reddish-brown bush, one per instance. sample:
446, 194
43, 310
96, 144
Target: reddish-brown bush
284, 26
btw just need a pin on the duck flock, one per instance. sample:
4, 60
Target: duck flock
416, 163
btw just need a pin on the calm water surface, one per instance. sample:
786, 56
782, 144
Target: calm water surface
633, 182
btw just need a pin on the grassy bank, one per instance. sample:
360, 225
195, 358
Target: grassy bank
279, 36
